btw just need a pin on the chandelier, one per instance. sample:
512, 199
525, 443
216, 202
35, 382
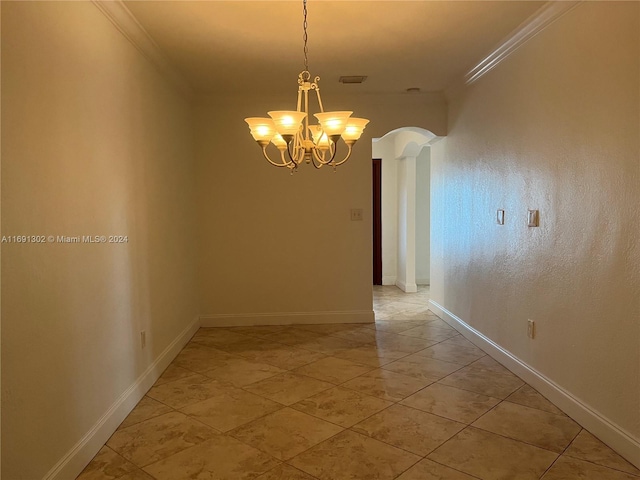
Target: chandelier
293, 136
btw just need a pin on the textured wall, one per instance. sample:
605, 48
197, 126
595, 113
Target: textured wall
94, 142
275, 243
556, 128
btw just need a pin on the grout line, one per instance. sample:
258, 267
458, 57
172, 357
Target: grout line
392, 335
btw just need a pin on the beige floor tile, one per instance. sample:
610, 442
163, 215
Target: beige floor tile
231, 408
368, 355
363, 335
285, 357
412, 430
145, 409
285, 433
333, 370
437, 334
387, 385
412, 315
529, 397
536, 427
567, 468
463, 342
587, 447
350, 455
158, 438
183, 392
285, 472
107, 465
328, 328
220, 458
213, 337
448, 352
173, 373
294, 337
401, 343
301, 365
437, 322
199, 358
250, 347
341, 406
394, 326
288, 388
136, 475
258, 330
422, 367
488, 363
428, 470
390, 309
492, 384
330, 345
453, 403
239, 371
492, 457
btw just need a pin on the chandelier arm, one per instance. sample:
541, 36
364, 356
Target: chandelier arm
306, 116
294, 145
284, 162
319, 157
334, 140
337, 164
317, 166
317, 89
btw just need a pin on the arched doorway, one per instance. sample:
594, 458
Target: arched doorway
404, 156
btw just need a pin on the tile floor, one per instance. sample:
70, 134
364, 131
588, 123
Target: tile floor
405, 398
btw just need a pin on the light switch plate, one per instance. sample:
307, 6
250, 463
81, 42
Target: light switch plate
500, 217
533, 218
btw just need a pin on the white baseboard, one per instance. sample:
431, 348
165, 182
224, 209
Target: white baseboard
70, 466
389, 280
407, 287
423, 281
288, 318
609, 432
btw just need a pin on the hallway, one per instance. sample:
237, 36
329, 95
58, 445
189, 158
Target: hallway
406, 398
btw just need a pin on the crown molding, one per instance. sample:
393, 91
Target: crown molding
533, 25
122, 18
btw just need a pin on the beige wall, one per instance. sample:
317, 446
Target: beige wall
94, 142
275, 243
556, 128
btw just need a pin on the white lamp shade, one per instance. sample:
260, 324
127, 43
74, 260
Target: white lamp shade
320, 138
287, 122
333, 123
262, 129
279, 142
354, 128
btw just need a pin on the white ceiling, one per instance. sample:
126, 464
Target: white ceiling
238, 46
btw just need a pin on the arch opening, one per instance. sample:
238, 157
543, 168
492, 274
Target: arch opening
405, 206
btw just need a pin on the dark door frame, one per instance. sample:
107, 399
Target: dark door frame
377, 220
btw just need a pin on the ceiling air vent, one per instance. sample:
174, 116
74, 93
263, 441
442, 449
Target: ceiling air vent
352, 79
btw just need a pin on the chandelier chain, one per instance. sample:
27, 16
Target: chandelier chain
305, 37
